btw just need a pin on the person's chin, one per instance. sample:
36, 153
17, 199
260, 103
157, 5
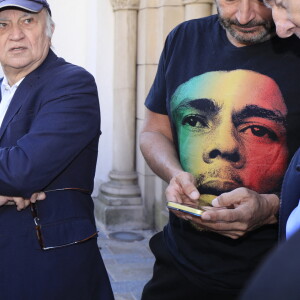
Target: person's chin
213, 187
206, 199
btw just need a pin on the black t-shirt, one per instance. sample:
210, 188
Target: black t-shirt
235, 118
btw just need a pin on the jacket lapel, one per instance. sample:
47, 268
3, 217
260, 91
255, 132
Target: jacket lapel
19, 97
23, 92
0, 89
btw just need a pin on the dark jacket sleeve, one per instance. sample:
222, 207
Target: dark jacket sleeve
290, 193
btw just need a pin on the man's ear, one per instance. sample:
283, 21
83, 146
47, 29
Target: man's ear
52, 28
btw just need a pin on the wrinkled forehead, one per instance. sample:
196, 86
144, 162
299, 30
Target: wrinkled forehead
235, 88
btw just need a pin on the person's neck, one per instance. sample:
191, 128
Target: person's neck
14, 78
13, 75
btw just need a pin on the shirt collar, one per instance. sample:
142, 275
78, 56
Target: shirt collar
7, 87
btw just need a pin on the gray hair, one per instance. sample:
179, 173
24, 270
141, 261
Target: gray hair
49, 25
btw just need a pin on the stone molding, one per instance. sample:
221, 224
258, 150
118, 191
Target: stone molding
186, 2
144, 4
125, 4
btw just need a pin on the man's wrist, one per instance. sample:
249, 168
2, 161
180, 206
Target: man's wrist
273, 201
276, 208
278, 194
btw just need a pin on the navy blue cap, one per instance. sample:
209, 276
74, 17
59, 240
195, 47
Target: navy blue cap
30, 5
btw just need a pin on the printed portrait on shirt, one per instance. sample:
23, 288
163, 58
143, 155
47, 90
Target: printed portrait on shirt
231, 131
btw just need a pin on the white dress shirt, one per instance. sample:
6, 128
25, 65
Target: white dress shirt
7, 93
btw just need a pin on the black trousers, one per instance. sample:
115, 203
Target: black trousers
168, 283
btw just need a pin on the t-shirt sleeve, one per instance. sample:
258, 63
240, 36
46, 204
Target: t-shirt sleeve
157, 97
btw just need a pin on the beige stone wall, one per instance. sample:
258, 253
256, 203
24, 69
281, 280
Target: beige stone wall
156, 18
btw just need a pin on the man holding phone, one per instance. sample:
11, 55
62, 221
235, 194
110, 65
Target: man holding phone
222, 112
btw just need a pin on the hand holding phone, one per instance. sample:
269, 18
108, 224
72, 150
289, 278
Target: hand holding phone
187, 208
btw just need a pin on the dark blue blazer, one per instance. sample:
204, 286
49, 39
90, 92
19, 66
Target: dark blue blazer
49, 141
278, 277
290, 193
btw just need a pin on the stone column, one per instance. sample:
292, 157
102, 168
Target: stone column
120, 204
197, 8
156, 19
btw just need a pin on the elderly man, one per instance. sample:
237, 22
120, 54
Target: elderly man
278, 277
222, 112
286, 14
50, 126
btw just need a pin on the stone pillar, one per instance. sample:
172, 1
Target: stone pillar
195, 9
156, 19
120, 204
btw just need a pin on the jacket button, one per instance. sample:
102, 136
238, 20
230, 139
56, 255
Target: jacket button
298, 168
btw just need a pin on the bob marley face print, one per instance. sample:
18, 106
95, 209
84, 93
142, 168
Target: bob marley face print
231, 131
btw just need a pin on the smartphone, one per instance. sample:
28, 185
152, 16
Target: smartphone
187, 208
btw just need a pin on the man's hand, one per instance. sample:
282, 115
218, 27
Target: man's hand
182, 189
20, 202
238, 212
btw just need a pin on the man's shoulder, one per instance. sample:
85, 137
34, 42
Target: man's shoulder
57, 77
61, 70
60, 67
192, 30
69, 70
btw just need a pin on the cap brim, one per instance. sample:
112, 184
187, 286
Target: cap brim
22, 4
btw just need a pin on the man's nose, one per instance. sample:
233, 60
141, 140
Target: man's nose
245, 12
284, 27
224, 145
16, 32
